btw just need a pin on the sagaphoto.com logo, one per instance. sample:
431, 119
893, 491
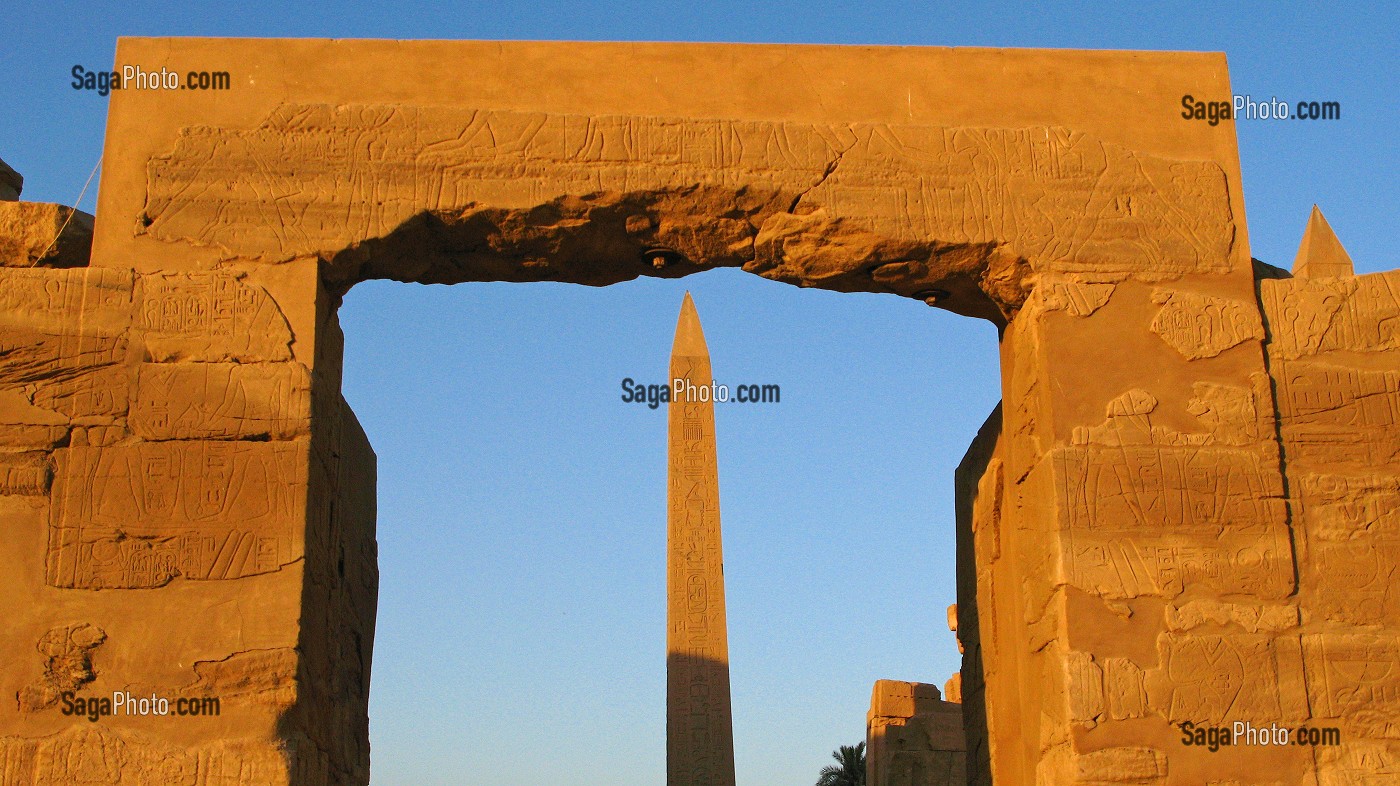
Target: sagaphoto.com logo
133, 77
683, 390
1245, 107
123, 703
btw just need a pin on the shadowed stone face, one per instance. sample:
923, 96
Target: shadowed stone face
11, 183
1185, 510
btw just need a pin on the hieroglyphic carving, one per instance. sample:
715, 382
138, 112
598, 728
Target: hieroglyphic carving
1310, 316
1152, 519
1084, 682
62, 334
80, 302
1332, 347
221, 401
1333, 415
1354, 676
1125, 688
1148, 510
1061, 198
211, 317
1359, 763
1215, 679
139, 515
25, 473
1202, 326
91, 754
1120, 765
1073, 294
1352, 526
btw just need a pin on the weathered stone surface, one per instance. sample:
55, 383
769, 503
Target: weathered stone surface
40, 234
699, 724
67, 654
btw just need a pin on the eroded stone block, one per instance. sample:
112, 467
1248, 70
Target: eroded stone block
67, 654
914, 737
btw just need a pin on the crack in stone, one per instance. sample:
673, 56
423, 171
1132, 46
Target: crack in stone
830, 168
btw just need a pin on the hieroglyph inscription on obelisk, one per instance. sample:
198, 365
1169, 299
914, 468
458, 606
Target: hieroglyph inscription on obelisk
699, 729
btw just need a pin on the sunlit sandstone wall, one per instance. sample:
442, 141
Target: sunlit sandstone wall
1176, 578
174, 528
913, 737
188, 503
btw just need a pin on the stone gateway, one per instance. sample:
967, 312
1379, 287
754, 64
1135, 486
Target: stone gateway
1185, 510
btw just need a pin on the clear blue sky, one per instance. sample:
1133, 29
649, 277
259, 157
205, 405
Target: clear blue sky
522, 504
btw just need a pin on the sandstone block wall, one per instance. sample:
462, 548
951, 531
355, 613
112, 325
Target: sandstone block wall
1236, 572
913, 737
159, 487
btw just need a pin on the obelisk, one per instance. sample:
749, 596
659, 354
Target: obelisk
699, 728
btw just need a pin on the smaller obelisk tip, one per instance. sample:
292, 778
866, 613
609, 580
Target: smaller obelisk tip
1321, 254
690, 337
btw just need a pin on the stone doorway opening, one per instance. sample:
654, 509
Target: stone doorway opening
521, 515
